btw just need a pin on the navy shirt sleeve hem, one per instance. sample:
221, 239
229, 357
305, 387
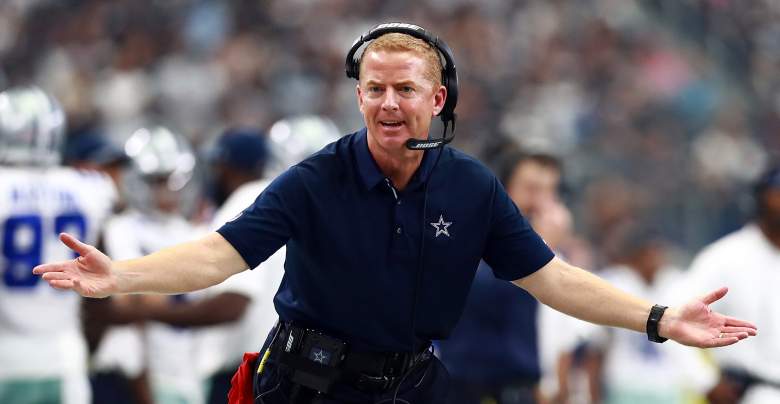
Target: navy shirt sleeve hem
540, 261
234, 238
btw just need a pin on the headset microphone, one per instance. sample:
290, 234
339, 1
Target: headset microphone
427, 144
416, 144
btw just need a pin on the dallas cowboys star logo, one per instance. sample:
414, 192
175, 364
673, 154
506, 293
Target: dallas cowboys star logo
441, 226
321, 356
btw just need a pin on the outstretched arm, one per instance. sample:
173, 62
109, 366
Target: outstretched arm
581, 294
182, 268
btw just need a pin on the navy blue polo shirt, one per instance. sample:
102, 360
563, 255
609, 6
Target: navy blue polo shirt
353, 243
508, 350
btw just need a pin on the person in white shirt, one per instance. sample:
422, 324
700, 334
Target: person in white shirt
43, 355
162, 165
626, 368
749, 261
232, 312
121, 382
232, 315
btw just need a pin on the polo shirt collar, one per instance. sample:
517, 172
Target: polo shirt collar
369, 170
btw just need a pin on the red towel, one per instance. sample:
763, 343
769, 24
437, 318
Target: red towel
241, 383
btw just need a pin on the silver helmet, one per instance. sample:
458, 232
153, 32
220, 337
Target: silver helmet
32, 127
293, 139
162, 165
157, 152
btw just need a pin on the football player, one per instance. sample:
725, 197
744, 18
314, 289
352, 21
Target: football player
42, 349
162, 164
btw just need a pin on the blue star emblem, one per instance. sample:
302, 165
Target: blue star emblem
441, 226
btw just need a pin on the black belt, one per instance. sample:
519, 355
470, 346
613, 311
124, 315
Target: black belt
375, 372
317, 361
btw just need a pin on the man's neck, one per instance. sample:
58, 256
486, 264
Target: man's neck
397, 165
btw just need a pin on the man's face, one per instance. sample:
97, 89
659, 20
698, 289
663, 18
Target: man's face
395, 98
164, 198
533, 186
771, 212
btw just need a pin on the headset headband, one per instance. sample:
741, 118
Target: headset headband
449, 74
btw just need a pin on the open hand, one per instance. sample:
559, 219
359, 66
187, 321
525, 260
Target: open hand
695, 324
89, 275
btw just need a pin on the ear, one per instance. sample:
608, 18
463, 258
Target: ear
439, 97
359, 94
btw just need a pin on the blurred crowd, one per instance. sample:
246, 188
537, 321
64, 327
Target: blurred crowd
658, 116
680, 97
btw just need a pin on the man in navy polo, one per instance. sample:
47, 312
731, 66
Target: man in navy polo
382, 245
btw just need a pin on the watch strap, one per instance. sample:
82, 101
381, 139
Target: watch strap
656, 312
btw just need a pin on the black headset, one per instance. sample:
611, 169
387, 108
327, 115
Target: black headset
449, 75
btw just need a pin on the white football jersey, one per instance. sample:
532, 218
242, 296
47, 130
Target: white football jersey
168, 349
40, 329
222, 347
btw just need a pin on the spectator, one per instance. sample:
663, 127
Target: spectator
749, 258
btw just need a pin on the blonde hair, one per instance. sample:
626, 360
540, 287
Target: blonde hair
397, 42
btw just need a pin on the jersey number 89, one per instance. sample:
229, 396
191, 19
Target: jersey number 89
23, 243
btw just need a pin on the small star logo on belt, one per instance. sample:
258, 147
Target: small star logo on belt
320, 355
441, 226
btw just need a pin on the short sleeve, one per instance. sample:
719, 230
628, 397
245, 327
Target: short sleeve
514, 250
267, 224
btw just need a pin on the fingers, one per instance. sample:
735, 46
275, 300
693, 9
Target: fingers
738, 335
735, 322
729, 336
58, 280
719, 342
746, 330
54, 267
55, 276
61, 284
74, 244
714, 296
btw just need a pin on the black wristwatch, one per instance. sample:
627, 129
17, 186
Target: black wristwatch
652, 323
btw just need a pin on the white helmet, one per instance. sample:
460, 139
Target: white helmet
32, 127
295, 138
158, 152
162, 165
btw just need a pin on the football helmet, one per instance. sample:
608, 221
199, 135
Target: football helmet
293, 139
32, 127
163, 163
